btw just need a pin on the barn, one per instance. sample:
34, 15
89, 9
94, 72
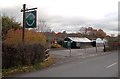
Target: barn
77, 42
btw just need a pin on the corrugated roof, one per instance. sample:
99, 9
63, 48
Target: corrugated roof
77, 39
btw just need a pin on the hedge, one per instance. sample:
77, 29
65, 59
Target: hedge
113, 43
19, 55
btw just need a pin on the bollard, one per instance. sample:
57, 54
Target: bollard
47, 54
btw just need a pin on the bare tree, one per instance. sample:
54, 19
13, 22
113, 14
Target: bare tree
83, 30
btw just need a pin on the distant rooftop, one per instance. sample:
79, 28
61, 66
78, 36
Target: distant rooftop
77, 39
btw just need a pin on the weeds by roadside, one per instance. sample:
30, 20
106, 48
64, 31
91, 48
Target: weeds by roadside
24, 69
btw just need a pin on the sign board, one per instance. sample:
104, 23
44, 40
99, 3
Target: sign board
78, 44
30, 19
69, 44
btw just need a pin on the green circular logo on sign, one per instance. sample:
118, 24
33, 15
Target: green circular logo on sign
30, 19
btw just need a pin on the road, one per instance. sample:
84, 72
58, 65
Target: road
76, 52
100, 66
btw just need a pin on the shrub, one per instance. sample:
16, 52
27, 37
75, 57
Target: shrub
113, 43
60, 42
108, 49
22, 55
55, 46
14, 37
15, 54
7, 24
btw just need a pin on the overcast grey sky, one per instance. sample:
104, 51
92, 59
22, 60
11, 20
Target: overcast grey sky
69, 15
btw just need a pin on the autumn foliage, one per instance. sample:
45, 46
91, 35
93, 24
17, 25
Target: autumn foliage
14, 53
17, 54
14, 37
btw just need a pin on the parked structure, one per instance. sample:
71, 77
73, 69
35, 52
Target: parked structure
99, 42
77, 42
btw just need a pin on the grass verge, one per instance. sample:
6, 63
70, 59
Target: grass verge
30, 68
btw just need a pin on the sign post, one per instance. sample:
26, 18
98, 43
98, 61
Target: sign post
69, 46
23, 34
96, 47
29, 20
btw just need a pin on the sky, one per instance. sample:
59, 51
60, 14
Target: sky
68, 15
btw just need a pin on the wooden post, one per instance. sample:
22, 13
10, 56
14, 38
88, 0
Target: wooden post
70, 52
96, 47
24, 22
104, 48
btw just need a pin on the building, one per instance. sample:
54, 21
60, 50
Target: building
99, 42
77, 42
